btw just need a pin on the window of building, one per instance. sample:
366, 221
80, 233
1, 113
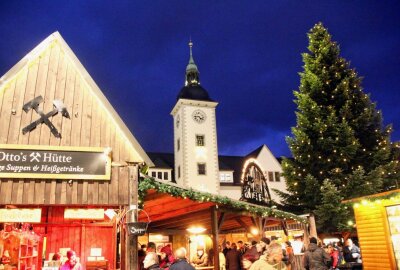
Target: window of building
179, 172
165, 175
225, 178
271, 176
153, 174
178, 144
159, 175
201, 168
199, 140
277, 176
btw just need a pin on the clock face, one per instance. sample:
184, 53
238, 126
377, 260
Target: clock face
199, 116
178, 120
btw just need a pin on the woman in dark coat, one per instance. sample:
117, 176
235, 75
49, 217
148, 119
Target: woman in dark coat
233, 258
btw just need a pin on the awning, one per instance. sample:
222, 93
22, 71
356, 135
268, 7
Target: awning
172, 208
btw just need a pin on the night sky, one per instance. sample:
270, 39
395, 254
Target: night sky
248, 54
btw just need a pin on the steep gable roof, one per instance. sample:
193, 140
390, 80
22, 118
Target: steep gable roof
84, 82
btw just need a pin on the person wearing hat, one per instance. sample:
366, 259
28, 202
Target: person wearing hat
201, 257
72, 262
166, 257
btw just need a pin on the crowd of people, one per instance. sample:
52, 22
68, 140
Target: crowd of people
266, 254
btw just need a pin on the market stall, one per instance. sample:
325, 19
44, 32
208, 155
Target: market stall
378, 228
190, 218
63, 163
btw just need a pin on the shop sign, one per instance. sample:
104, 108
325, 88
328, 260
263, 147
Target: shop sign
137, 228
28, 215
52, 162
92, 214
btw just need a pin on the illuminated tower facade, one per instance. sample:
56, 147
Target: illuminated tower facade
195, 134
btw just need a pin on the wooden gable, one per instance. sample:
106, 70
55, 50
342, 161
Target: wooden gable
52, 71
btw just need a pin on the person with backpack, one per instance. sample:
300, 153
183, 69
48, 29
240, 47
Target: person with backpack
315, 257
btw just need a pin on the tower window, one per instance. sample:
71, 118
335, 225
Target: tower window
201, 168
178, 144
179, 172
199, 140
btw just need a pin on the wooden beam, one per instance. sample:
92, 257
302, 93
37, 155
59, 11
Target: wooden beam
165, 207
183, 211
172, 232
221, 220
183, 218
241, 223
241, 230
255, 223
214, 230
264, 224
236, 212
132, 240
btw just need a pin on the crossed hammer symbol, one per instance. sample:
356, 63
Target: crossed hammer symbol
44, 118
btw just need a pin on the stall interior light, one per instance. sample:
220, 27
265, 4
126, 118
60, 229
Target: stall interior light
254, 231
196, 230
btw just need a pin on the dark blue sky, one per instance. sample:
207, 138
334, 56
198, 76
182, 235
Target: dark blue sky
248, 54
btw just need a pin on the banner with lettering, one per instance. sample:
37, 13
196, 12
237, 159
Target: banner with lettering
52, 162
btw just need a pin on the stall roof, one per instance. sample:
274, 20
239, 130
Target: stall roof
173, 208
377, 196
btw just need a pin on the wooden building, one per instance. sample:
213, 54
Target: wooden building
378, 229
51, 108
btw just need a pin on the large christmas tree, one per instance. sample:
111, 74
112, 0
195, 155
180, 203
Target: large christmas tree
339, 143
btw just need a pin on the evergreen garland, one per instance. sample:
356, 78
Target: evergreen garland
148, 183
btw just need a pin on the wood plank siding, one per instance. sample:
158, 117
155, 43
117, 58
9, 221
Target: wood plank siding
53, 71
373, 234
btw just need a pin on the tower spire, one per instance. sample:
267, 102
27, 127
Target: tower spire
192, 73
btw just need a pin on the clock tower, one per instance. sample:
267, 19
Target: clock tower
195, 134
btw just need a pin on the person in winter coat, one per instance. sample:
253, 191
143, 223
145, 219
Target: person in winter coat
250, 256
151, 261
201, 257
351, 252
315, 257
233, 258
180, 261
166, 257
290, 255
271, 260
334, 253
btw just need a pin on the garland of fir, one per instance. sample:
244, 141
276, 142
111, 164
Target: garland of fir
194, 195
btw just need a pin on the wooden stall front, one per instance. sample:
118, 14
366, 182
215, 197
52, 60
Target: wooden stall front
51, 107
173, 210
378, 228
